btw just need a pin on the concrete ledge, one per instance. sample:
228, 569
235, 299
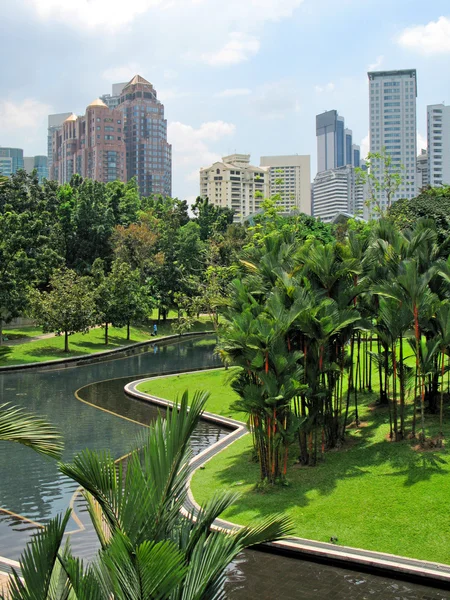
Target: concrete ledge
98, 356
399, 567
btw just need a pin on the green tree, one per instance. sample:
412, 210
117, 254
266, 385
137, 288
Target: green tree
383, 179
68, 307
128, 298
148, 547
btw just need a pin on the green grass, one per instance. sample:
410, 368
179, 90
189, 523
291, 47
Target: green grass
16, 333
79, 344
371, 494
215, 382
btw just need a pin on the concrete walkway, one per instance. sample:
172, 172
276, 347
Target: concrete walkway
355, 558
25, 340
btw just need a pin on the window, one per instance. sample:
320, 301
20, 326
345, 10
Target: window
109, 137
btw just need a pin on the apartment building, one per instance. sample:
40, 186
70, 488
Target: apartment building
438, 137
290, 178
91, 145
236, 184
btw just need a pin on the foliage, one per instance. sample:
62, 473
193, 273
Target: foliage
148, 548
383, 178
17, 425
431, 203
67, 308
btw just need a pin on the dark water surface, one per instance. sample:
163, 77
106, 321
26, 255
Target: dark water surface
32, 488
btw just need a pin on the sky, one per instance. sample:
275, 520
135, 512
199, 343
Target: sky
244, 76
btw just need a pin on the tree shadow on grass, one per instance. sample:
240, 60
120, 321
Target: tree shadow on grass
5, 351
380, 459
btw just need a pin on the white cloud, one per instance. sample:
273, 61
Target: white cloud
377, 64
170, 74
432, 38
191, 147
233, 93
421, 142
24, 124
239, 48
92, 14
321, 89
275, 100
122, 73
365, 146
27, 114
114, 14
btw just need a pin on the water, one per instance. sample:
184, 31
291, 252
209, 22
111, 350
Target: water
31, 486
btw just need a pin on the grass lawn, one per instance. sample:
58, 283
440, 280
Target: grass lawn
216, 382
15, 333
371, 494
79, 344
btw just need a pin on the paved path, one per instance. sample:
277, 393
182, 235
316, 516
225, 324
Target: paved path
25, 340
352, 557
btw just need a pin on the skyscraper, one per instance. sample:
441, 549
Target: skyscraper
11, 160
330, 141
91, 145
438, 134
149, 156
290, 177
393, 126
54, 124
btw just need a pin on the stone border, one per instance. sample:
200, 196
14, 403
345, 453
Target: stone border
90, 358
399, 567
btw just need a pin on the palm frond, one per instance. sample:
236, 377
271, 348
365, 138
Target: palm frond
18, 425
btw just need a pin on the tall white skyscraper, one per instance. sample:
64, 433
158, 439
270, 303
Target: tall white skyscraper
290, 177
438, 134
393, 125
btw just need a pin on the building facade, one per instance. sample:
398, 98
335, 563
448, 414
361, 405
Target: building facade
92, 146
54, 124
422, 170
392, 104
335, 191
112, 100
290, 177
438, 137
330, 132
148, 154
40, 163
11, 160
234, 183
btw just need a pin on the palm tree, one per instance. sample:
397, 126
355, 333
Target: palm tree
17, 425
150, 548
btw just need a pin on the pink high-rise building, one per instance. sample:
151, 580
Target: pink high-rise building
92, 145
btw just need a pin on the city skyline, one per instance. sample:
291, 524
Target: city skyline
226, 84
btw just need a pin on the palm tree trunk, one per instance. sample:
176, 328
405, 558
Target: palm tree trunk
402, 391
441, 408
106, 334
66, 341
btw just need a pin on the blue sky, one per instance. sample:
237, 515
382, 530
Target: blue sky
242, 75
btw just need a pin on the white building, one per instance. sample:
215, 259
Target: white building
422, 170
393, 125
112, 100
336, 191
234, 183
438, 134
290, 177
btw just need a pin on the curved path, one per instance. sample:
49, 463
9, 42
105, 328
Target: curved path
388, 564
